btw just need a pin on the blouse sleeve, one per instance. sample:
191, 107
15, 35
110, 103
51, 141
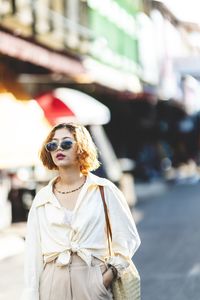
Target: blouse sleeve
33, 262
125, 237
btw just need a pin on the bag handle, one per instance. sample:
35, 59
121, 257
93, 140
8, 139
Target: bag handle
108, 225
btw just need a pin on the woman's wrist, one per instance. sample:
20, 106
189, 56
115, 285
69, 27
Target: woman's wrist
119, 262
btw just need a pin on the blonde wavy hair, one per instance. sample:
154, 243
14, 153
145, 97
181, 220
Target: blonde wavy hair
87, 155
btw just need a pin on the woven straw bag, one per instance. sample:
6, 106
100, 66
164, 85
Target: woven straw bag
127, 287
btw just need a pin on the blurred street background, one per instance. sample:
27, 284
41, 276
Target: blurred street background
129, 70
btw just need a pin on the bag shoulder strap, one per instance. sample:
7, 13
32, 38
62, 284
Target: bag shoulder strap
108, 225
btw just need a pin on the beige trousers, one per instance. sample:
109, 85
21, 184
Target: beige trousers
77, 281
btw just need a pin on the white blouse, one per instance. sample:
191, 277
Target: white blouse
53, 232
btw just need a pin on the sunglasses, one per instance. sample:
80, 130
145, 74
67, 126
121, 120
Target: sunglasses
54, 145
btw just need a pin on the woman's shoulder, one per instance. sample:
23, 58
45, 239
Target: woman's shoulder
41, 196
100, 180
106, 183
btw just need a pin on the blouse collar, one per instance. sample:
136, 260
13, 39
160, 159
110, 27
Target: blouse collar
46, 194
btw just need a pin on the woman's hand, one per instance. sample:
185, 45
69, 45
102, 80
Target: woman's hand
108, 278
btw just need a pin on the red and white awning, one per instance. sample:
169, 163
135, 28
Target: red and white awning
66, 105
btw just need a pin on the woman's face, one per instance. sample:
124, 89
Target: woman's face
64, 158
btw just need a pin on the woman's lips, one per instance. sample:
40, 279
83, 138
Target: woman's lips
60, 156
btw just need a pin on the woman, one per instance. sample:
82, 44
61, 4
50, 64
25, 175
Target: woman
66, 242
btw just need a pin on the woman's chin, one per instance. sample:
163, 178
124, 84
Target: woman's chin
63, 164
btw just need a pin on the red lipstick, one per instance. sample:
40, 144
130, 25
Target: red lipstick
60, 156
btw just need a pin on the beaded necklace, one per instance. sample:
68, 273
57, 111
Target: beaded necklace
68, 192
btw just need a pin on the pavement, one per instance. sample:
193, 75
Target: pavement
11, 261
169, 259
147, 190
12, 240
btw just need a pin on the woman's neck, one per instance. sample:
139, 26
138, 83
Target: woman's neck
69, 177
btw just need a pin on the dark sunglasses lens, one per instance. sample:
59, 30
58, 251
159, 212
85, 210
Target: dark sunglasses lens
52, 146
65, 145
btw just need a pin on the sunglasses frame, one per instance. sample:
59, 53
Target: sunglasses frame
59, 145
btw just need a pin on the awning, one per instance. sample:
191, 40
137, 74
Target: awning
65, 105
26, 50
22, 131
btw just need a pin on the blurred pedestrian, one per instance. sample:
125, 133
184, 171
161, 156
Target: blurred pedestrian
15, 196
66, 253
